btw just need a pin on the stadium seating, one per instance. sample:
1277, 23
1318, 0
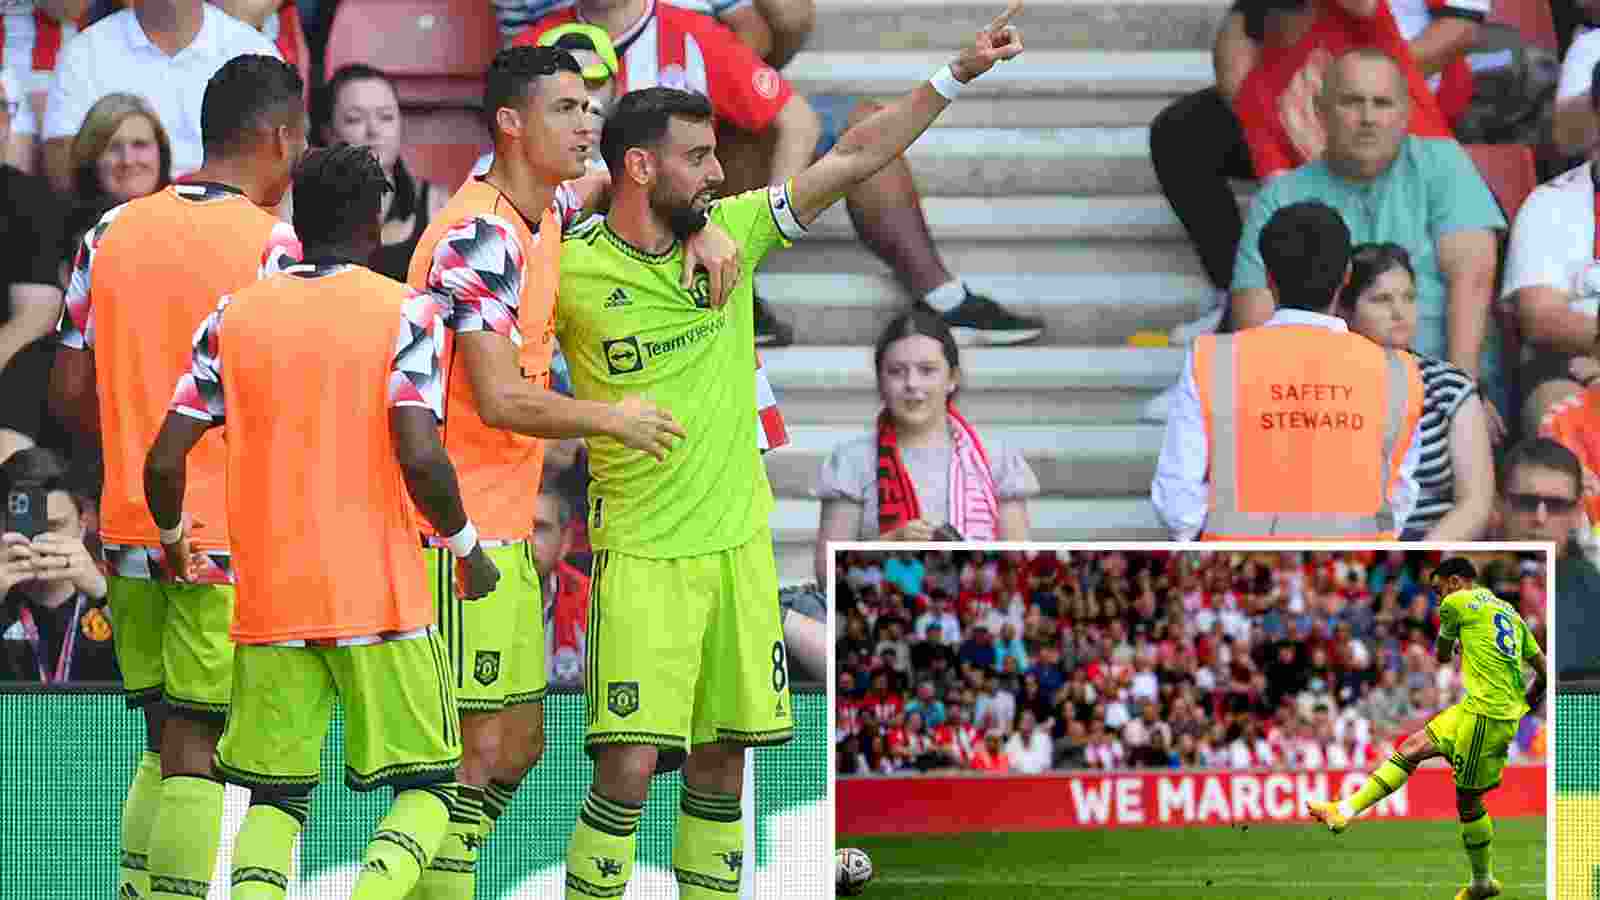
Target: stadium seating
1531, 17
435, 50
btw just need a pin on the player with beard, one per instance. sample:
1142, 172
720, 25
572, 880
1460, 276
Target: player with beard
686, 659
493, 254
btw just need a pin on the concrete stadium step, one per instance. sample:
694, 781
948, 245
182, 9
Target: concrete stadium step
998, 162
818, 256
1041, 89
850, 25
1015, 220
1070, 461
1084, 309
794, 527
1002, 385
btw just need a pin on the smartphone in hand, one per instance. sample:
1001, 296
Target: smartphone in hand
26, 513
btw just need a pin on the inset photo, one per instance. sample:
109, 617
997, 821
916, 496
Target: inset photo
1209, 721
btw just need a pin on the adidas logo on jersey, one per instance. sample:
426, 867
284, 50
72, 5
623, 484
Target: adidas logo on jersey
618, 298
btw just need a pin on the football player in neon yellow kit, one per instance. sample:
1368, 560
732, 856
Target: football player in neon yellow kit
686, 661
1475, 734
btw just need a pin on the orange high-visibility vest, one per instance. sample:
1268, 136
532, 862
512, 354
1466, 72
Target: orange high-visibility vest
324, 539
1575, 424
499, 471
159, 271
1306, 430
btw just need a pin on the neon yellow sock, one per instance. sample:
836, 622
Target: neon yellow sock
138, 817
184, 838
600, 853
1476, 836
400, 849
452, 873
708, 848
1389, 777
262, 851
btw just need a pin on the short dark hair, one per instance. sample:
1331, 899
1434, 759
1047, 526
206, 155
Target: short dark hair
514, 68
641, 119
1546, 453
1368, 263
1306, 249
249, 92
337, 192
1457, 567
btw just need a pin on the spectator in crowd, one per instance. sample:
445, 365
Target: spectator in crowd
1455, 463
1198, 142
923, 454
53, 623
991, 754
1552, 282
769, 133
1029, 747
163, 50
564, 587
34, 33
906, 571
1575, 424
1357, 430
121, 153
1423, 193
1540, 496
358, 105
1575, 125
31, 228
774, 30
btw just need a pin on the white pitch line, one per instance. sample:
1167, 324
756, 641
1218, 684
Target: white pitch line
1137, 880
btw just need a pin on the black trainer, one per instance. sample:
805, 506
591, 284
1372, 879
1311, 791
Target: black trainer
978, 320
769, 331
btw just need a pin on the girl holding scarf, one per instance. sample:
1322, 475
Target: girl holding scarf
922, 471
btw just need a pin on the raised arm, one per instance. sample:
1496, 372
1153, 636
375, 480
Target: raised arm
886, 134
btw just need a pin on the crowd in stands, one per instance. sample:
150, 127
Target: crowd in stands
1033, 661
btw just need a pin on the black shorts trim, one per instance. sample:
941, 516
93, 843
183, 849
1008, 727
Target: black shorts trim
526, 697
756, 738
403, 776
258, 781
214, 713
138, 698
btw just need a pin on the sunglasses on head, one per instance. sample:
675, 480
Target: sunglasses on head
1527, 503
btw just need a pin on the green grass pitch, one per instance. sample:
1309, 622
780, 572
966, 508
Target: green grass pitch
1374, 859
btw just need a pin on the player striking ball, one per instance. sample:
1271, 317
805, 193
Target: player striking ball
1476, 733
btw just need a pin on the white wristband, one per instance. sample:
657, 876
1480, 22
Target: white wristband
171, 535
945, 84
462, 542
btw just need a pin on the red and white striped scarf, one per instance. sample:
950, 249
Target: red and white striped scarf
974, 503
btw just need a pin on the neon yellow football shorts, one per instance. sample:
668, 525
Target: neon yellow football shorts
401, 726
496, 643
172, 643
1476, 746
687, 651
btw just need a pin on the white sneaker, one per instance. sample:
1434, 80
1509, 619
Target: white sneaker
1183, 335
1156, 408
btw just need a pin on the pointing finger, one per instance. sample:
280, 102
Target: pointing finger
1004, 18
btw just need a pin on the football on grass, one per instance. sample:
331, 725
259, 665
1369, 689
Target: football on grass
855, 870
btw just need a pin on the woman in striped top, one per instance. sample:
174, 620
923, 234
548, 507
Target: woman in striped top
1456, 468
